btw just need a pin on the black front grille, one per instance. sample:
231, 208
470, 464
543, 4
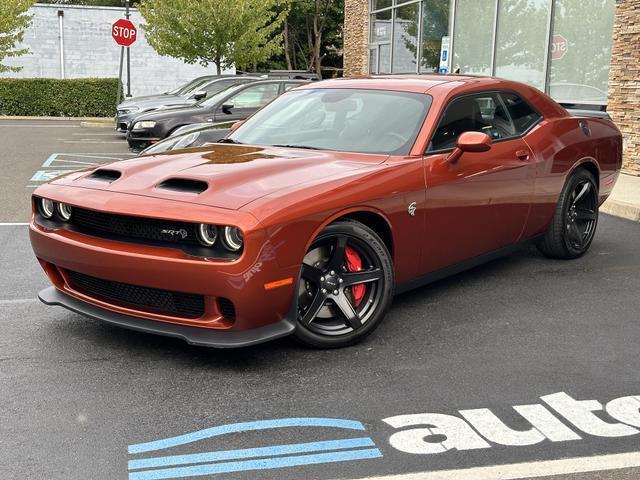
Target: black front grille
143, 298
227, 308
93, 222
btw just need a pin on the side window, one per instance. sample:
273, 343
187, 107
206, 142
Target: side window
255, 96
472, 113
289, 86
522, 115
216, 87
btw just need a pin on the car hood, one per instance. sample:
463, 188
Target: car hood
232, 175
169, 100
181, 110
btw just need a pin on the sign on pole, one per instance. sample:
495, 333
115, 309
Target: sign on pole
124, 32
559, 46
444, 55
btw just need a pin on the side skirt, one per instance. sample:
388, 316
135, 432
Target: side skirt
461, 266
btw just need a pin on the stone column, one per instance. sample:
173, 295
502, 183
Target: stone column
624, 80
356, 29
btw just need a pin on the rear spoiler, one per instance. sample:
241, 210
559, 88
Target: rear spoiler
589, 113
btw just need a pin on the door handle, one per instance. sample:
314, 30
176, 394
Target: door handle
522, 155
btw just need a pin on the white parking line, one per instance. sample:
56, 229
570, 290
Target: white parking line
18, 301
528, 470
90, 141
39, 126
13, 224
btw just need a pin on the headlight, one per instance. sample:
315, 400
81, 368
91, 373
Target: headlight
126, 110
207, 234
47, 207
232, 239
64, 211
144, 124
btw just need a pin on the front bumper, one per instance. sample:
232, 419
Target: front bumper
193, 336
140, 139
242, 281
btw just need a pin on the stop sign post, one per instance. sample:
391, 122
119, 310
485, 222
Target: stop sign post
124, 32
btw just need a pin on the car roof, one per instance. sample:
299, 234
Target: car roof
418, 83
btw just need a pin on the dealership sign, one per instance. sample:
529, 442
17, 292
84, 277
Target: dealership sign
559, 47
124, 32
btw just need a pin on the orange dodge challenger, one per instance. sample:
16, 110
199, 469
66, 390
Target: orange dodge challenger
308, 217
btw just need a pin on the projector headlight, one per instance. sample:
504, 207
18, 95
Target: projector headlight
47, 207
232, 239
64, 211
144, 124
125, 110
207, 234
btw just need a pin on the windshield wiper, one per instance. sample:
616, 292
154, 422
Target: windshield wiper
306, 147
229, 140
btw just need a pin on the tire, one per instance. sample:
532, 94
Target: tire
575, 219
334, 309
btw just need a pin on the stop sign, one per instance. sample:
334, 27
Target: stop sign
123, 32
559, 47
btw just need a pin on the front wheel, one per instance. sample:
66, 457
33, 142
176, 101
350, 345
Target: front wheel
345, 288
576, 217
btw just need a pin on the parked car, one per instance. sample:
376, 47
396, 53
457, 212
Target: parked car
321, 206
210, 85
235, 103
189, 136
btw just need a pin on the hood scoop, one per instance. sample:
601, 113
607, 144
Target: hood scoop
105, 175
185, 185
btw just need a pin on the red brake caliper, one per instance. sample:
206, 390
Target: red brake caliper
354, 264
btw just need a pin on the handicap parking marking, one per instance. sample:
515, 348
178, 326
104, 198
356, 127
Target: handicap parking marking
248, 459
62, 163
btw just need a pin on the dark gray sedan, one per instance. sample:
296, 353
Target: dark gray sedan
188, 94
235, 103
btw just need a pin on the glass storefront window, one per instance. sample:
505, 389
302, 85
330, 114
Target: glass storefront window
581, 51
405, 42
418, 28
522, 41
381, 27
435, 25
473, 36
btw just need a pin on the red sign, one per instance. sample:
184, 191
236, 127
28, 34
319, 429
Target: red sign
559, 47
124, 32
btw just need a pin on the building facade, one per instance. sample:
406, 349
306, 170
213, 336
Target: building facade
580, 52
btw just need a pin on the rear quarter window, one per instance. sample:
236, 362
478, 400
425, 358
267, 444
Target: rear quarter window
521, 113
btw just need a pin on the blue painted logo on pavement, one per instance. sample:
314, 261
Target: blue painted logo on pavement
259, 458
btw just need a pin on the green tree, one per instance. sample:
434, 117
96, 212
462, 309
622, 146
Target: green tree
13, 22
226, 33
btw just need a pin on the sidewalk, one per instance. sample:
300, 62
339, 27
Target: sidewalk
625, 198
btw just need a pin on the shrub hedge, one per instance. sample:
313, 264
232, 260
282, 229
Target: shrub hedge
78, 97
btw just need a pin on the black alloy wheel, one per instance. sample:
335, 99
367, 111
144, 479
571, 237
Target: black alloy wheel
575, 220
345, 287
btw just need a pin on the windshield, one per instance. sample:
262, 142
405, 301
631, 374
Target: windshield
349, 120
182, 89
219, 96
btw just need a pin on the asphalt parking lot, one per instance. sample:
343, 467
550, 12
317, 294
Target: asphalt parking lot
83, 400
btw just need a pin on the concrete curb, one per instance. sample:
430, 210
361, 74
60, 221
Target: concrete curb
617, 208
100, 124
65, 119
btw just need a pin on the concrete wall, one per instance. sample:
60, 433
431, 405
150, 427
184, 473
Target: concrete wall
89, 50
624, 80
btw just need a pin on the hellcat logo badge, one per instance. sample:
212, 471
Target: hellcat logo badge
412, 209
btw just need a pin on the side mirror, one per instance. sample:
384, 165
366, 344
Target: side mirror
199, 95
470, 142
227, 107
235, 126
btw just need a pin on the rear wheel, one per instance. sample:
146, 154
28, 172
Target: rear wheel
346, 286
575, 220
